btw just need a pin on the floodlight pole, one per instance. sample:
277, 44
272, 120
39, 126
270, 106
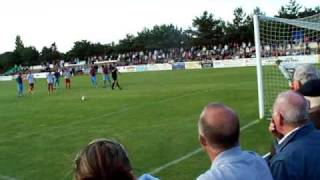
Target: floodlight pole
259, 65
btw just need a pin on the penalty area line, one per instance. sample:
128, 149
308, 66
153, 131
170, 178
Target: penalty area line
190, 154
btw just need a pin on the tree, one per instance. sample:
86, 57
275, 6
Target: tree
159, 37
309, 12
19, 44
80, 49
6, 61
55, 54
45, 55
207, 29
290, 11
29, 56
50, 55
241, 30
126, 44
239, 17
258, 11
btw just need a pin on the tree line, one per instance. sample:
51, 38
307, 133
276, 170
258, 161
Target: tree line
206, 30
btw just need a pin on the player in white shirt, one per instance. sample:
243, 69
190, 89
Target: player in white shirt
31, 80
67, 77
50, 80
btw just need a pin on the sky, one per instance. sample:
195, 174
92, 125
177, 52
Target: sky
42, 22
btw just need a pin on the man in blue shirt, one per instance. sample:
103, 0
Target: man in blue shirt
298, 142
219, 136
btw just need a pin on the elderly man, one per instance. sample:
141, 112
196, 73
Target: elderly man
306, 80
219, 136
297, 149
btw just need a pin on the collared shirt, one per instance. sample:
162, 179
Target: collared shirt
234, 164
288, 134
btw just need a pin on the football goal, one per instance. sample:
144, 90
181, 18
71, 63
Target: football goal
281, 44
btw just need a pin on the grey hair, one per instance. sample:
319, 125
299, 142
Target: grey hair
305, 73
293, 107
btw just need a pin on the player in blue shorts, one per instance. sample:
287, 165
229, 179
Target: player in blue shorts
105, 76
93, 76
57, 79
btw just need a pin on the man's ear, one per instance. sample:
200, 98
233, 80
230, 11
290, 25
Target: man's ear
280, 119
296, 85
203, 140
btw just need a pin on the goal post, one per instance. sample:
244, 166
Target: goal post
280, 45
259, 66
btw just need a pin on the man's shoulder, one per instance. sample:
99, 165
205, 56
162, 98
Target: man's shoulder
243, 166
300, 148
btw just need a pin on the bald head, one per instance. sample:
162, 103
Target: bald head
219, 124
293, 107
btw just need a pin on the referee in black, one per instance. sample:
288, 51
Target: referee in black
114, 74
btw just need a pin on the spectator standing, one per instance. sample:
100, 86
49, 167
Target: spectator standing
219, 136
306, 81
297, 147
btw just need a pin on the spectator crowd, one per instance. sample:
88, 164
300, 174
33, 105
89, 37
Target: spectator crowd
210, 52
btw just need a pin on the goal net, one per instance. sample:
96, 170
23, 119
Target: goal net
284, 43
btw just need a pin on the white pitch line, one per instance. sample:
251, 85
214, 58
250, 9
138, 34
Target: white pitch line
7, 178
176, 161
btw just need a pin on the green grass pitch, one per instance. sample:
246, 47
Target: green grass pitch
155, 117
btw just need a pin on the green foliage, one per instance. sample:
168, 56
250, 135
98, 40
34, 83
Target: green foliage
241, 30
290, 11
19, 44
7, 59
159, 37
208, 30
29, 56
84, 49
309, 12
